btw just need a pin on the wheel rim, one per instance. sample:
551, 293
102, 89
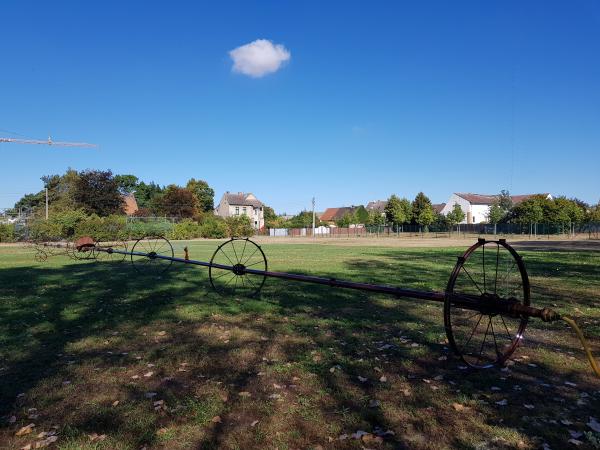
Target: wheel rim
149, 263
240, 254
493, 271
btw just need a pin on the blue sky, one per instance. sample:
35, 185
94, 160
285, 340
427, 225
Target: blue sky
376, 97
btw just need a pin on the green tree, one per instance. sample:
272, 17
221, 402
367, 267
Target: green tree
394, 212
347, 219
505, 200
455, 216
593, 213
204, 194
496, 214
127, 183
178, 202
376, 218
422, 210
239, 226
148, 196
97, 192
528, 212
303, 220
271, 219
361, 214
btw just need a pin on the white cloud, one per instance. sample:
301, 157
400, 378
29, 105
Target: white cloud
259, 58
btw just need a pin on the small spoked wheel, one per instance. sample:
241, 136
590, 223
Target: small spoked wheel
40, 255
490, 272
83, 254
148, 255
104, 251
232, 267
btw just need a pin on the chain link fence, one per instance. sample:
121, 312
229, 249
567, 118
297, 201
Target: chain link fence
534, 230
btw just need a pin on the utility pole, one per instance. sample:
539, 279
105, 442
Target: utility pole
46, 202
313, 205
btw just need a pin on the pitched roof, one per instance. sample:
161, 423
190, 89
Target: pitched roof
242, 199
437, 207
477, 199
516, 199
484, 199
377, 205
332, 214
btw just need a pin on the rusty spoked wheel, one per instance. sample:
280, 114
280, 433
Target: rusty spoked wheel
494, 272
231, 268
108, 254
147, 255
40, 254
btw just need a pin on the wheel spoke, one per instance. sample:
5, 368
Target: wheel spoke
223, 274
253, 253
234, 252
506, 328
471, 278
473, 331
484, 339
494, 336
254, 264
243, 250
222, 251
483, 259
497, 262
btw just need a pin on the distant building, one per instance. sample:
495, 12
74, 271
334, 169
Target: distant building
242, 204
438, 207
331, 215
130, 205
377, 205
477, 206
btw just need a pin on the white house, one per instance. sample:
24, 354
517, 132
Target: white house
477, 206
242, 204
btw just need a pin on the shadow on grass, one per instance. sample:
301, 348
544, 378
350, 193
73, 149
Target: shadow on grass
60, 322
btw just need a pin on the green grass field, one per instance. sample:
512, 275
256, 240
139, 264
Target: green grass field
110, 359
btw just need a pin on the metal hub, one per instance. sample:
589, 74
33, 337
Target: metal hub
239, 269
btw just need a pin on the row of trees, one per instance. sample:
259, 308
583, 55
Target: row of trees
100, 192
539, 209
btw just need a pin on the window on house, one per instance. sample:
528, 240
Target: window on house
237, 210
244, 210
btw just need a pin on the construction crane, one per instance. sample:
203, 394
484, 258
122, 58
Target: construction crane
48, 142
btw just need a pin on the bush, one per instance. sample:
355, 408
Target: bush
138, 229
239, 226
101, 229
213, 228
7, 232
186, 229
60, 225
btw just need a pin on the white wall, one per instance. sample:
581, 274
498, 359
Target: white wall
480, 213
256, 215
477, 213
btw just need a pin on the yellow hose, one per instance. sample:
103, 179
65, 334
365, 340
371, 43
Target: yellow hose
586, 347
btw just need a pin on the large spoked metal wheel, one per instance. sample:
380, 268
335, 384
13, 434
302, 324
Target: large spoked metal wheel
104, 251
494, 272
232, 266
147, 255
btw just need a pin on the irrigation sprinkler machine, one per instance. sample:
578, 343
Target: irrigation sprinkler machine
487, 301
